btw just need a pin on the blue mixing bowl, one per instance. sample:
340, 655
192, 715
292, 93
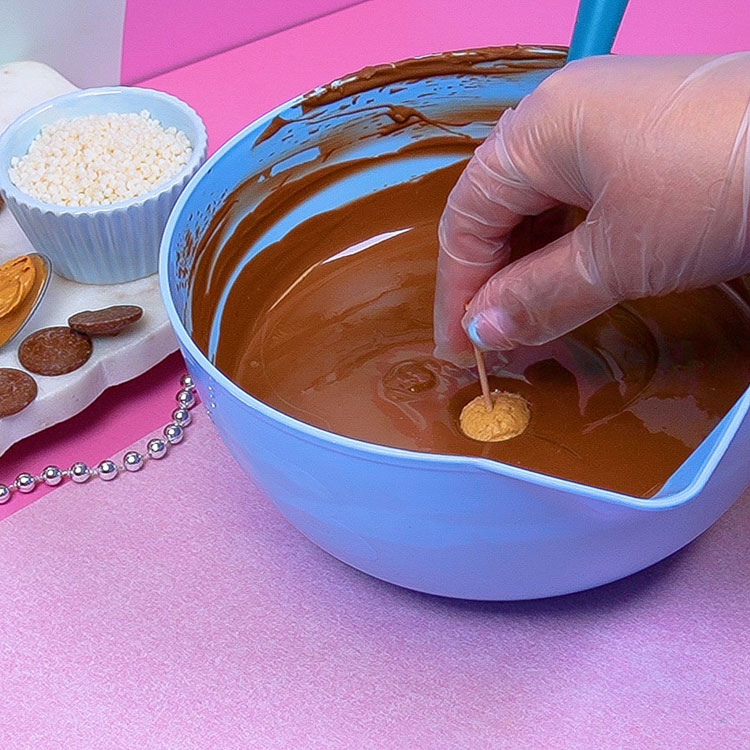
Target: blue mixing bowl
456, 526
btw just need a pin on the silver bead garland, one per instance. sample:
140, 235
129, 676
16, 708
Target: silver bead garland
173, 433
181, 417
108, 470
186, 398
79, 472
25, 483
52, 476
157, 448
132, 461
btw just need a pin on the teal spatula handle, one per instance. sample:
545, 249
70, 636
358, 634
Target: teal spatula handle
596, 26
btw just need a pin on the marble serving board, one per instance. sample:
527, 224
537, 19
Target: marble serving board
115, 359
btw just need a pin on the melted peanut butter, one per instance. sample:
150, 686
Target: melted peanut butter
22, 280
332, 324
16, 279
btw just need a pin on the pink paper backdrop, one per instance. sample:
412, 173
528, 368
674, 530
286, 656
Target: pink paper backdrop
160, 35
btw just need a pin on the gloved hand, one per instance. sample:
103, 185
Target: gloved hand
656, 149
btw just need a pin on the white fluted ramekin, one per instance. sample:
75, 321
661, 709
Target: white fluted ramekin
100, 244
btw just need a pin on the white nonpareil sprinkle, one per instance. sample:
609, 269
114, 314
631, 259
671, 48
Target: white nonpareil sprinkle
100, 159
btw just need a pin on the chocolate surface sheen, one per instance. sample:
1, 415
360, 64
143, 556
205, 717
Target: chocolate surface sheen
332, 324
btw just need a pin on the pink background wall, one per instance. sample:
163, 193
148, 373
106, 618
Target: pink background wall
165, 34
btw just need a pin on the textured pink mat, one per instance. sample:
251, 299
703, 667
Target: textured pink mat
177, 609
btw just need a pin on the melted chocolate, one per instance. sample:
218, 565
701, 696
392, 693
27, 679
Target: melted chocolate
332, 325
513, 58
487, 60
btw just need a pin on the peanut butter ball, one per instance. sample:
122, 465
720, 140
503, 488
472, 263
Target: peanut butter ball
509, 417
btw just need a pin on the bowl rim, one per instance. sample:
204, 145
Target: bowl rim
199, 145
342, 443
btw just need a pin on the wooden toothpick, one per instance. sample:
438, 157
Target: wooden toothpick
483, 378
479, 357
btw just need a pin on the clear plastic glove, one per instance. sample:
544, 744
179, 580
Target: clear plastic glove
656, 149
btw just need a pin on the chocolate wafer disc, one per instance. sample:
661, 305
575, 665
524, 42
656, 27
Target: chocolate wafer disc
17, 391
54, 351
106, 322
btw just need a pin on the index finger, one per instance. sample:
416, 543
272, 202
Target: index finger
489, 199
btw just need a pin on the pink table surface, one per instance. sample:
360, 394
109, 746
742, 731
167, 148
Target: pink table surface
233, 88
177, 609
